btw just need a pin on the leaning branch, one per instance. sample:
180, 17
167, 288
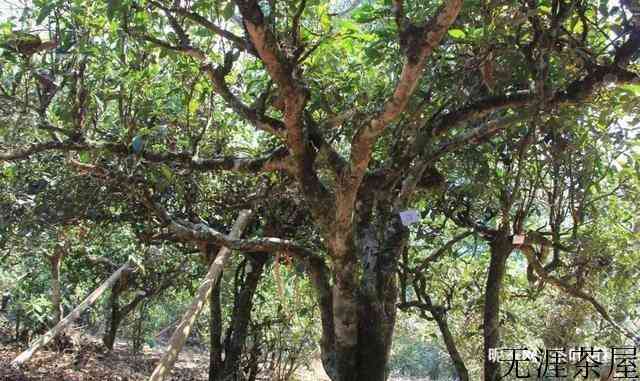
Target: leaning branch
441, 251
576, 292
190, 232
217, 77
428, 158
258, 119
275, 161
418, 43
263, 39
295, 95
32, 149
578, 90
181, 333
73, 315
238, 42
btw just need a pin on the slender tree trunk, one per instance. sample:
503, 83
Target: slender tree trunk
56, 294
4, 303
456, 358
18, 320
501, 247
119, 313
241, 318
115, 318
66, 322
183, 329
109, 337
215, 333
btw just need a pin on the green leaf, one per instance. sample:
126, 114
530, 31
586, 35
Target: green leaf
457, 33
634, 88
166, 172
193, 105
85, 157
6, 28
228, 10
112, 7
545, 9
9, 171
44, 12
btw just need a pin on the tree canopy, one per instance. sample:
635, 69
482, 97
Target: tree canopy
136, 131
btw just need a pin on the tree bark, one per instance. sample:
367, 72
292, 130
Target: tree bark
119, 313
116, 314
500, 247
241, 317
4, 301
115, 317
456, 358
66, 322
345, 319
378, 294
215, 333
56, 294
183, 329
363, 302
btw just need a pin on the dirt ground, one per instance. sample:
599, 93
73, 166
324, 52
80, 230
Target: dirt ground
87, 360
90, 362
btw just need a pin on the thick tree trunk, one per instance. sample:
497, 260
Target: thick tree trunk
183, 329
319, 274
501, 247
345, 319
379, 288
66, 322
363, 303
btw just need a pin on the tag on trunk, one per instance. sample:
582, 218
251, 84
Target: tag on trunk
409, 217
518, 239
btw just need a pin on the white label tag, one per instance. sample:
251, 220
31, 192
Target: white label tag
409, 217
518, 239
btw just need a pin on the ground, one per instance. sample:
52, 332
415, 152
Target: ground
87, 360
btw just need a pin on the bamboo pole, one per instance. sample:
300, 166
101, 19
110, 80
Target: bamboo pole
181, 333
70, 318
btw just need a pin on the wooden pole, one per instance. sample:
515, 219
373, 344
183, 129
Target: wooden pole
70, 318
181, 333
